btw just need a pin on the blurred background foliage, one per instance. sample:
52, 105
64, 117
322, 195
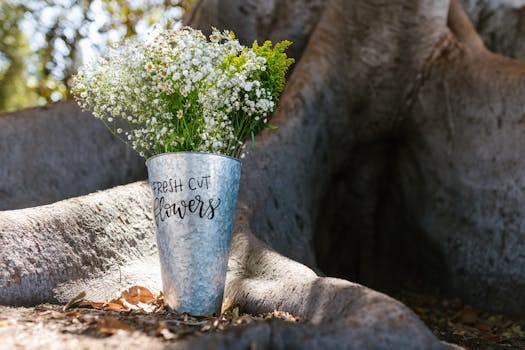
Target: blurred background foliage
42, 42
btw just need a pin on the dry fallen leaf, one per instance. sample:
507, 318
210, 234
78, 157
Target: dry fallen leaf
143, 311
91, 304
227, 305
484, 327
133, 298
468, 316
110, 325
137, 294
114, 305
75, 301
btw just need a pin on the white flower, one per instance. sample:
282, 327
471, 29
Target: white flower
174, 83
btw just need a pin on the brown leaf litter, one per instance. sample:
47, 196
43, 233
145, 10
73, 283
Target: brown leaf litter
138, 309
453, 321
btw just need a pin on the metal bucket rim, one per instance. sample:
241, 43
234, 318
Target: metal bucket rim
190, 152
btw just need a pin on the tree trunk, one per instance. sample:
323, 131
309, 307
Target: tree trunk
500, 24
425, 183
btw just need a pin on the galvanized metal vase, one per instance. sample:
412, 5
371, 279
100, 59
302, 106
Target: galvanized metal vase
195, 196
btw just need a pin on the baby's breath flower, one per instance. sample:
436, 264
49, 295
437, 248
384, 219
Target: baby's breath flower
179, 91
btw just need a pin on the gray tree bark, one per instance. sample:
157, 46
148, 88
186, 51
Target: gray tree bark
500, 24
426, 124
427, 169
55, 152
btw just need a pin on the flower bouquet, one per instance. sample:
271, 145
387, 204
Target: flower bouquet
188, 104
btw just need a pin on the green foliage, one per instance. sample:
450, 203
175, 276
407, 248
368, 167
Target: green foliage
14, 90
272, 79
277, 62
188, 136
60, 30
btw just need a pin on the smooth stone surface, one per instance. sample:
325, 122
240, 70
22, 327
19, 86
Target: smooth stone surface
337, 312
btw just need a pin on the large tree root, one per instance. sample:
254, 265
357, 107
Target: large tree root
74, 239
85, 238
55, 152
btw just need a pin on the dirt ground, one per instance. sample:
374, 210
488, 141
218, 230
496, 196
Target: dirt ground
455, 322
48, 326
99, 325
